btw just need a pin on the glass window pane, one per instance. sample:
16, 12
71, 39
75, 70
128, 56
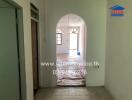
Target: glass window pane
59, 35
59, 42
58, 38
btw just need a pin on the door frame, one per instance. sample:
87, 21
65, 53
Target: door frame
36, 10
21, 52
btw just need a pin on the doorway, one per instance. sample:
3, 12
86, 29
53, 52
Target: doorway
12, 65
70, 53
34, 35
74, 41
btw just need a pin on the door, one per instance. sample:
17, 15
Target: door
73, 44
34, 27
9, 63
73, 41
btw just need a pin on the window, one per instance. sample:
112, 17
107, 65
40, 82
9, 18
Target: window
34, 12
59, 38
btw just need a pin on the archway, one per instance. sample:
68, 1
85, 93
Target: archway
70, 50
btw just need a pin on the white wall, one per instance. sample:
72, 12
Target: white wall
94, 14
25, 4
82, 41
119, 52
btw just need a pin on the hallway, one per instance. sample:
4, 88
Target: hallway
94, 65
73, 93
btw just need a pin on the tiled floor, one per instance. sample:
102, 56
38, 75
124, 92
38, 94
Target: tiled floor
73, 75
73, 93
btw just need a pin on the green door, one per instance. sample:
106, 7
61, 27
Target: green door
9, 66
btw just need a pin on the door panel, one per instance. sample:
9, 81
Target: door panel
9, 67
35, 53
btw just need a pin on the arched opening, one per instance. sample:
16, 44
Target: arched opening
70, 50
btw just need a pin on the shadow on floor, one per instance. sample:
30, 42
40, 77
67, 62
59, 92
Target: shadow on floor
73, 93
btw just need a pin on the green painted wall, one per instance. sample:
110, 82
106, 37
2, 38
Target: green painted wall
119, 52
94, 14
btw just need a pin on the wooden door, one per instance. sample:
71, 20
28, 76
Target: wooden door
34, 27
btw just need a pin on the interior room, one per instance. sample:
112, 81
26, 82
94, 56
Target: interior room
36, 36
70, 42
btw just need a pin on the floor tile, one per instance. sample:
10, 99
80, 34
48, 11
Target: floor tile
73, 93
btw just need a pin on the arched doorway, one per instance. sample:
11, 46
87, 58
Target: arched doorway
70, 50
